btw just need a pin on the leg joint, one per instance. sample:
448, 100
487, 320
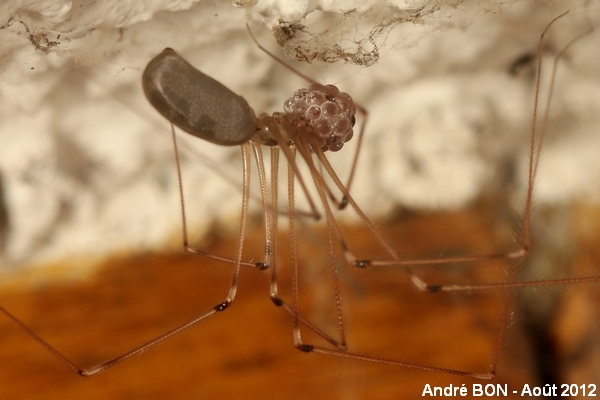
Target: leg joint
277, 301
222, 306
262, 266
306, 348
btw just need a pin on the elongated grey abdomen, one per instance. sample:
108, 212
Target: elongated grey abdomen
197, 103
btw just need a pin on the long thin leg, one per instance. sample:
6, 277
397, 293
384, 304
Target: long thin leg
273, 291
186, 245
270, 206
218, 308
269, 210
333, 233
200, 317
523, 239
341, 351
341, 344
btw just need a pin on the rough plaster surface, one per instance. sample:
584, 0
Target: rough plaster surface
86, 166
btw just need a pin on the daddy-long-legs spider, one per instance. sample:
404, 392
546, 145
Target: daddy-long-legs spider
316, 120
230, 311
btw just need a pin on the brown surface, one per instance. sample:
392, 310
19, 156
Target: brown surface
247, 352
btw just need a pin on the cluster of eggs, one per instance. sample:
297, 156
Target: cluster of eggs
328, 111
